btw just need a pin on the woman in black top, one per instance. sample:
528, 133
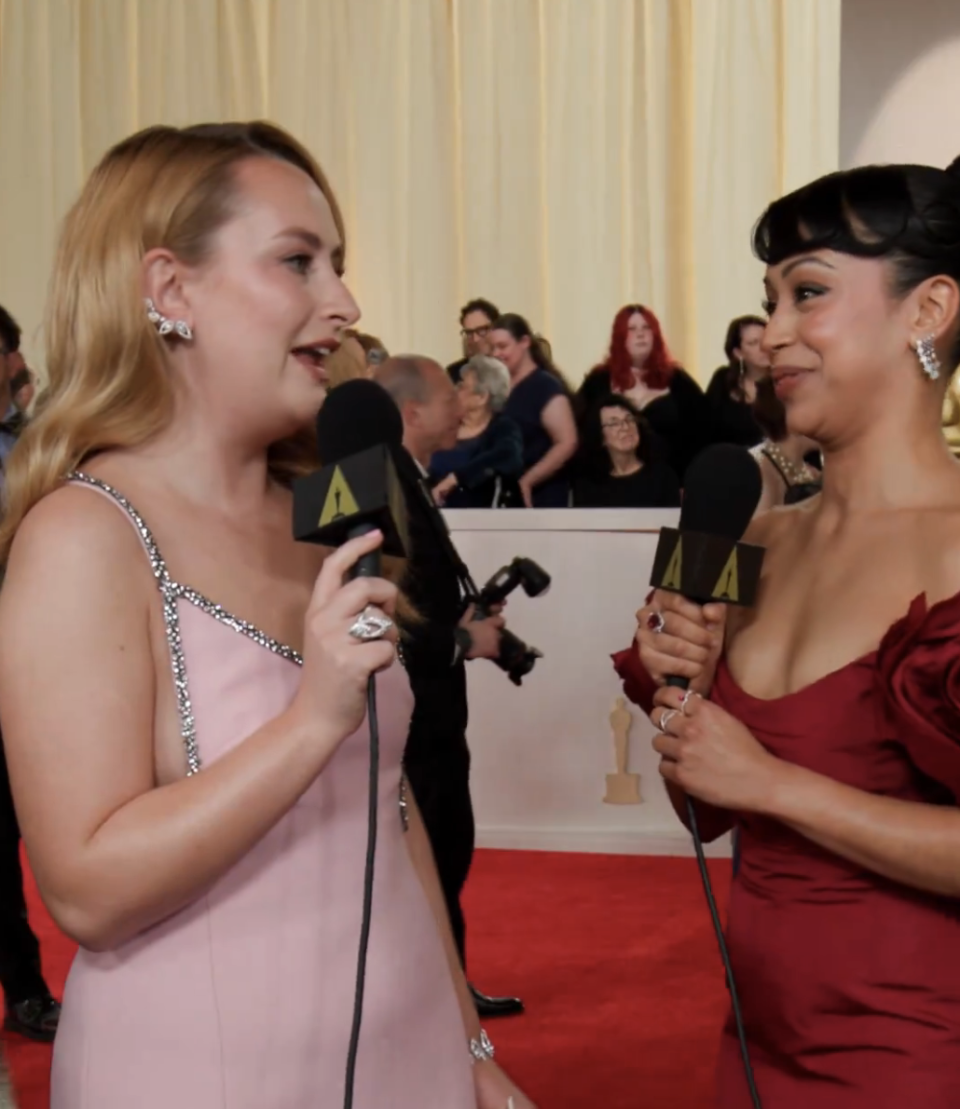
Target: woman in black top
616, 469
639, 367
539, 402
733, 388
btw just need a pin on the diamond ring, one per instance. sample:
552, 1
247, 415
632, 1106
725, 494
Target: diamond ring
370, 624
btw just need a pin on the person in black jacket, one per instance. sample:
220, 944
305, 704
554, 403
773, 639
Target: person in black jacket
437, 759
476, 322
733, 388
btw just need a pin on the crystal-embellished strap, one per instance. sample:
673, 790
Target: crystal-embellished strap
157, 564
169, 591
404, 802
244, 627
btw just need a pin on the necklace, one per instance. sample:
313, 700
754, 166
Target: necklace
793, 473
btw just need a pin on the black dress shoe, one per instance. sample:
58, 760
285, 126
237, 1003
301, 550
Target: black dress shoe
36, 1018
496, 1006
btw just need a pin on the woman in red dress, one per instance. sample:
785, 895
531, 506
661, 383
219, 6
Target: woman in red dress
825, 722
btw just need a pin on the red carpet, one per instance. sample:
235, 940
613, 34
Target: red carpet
613, 955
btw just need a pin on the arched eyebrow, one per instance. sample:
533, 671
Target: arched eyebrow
314, 242
815, 259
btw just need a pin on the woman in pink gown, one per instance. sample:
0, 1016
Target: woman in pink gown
183, 700
825, 722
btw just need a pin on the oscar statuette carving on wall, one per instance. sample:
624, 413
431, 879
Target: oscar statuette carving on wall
623, 788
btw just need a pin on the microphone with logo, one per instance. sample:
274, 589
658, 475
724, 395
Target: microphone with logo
357, 491
706, 561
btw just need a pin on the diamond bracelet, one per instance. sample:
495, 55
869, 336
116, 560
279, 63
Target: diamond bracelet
481, 1051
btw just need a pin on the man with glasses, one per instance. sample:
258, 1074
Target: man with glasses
30, 1008
476, 320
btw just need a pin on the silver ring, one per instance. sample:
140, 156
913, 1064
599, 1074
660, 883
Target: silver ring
370, 624
665, 720
687, 698
656, 622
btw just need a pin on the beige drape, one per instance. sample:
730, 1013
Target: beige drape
561, 157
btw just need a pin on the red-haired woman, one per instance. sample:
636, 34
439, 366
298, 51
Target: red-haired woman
639, 367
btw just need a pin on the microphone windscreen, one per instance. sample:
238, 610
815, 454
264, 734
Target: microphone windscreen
721, 491
357, 415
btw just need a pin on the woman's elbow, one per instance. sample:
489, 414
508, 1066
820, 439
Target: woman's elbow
566, 449
94, 927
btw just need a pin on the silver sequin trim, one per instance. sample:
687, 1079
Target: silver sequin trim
404, 807
170, 592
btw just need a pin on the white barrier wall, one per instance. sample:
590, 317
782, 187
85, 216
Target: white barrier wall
541, 753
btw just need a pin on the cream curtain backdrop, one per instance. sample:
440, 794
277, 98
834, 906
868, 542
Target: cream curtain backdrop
560, 157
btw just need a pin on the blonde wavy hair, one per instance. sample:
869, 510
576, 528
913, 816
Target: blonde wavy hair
108, 386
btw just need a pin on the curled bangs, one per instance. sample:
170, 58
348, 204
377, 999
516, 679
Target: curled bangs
870, 212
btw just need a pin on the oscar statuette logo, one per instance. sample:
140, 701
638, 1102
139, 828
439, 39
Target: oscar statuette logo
339, 501
623, 788
707, 567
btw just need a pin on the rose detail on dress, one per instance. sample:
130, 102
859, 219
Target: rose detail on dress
918, 671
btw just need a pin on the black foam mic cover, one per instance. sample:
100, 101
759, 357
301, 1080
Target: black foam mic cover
704, 559
357, 415
721, 492
359, 430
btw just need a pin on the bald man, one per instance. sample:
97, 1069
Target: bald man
437, 759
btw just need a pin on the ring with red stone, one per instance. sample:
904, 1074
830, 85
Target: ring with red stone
656, 622
687, 698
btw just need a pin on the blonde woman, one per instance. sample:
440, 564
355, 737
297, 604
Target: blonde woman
183, 685
357, 356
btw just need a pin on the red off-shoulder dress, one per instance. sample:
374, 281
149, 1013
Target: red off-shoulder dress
850, 983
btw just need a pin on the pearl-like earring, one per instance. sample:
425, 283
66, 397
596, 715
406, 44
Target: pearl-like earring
166, 326
927, 355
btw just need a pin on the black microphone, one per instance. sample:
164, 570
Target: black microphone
359, 430
704, 559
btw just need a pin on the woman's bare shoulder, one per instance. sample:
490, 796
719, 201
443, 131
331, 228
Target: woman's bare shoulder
74, 540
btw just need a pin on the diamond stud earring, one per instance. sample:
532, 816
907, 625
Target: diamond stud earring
164, 325
927, 355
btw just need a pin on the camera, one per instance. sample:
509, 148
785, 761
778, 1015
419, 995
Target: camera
516, 659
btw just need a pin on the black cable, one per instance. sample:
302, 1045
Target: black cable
724, 954
367, 889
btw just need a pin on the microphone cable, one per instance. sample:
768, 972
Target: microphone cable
683, 683
374, 791
724, 954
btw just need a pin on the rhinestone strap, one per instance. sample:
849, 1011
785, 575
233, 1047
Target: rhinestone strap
171, 617
170, 592
404, 804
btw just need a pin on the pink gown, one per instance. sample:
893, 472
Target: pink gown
243, 999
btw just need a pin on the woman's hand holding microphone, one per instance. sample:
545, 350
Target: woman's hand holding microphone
349, 634
677, 638
703, 750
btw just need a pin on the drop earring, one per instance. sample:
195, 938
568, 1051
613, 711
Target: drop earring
927, 355
164, 325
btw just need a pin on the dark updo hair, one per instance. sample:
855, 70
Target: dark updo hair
906, 214
734, 339
594, 457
